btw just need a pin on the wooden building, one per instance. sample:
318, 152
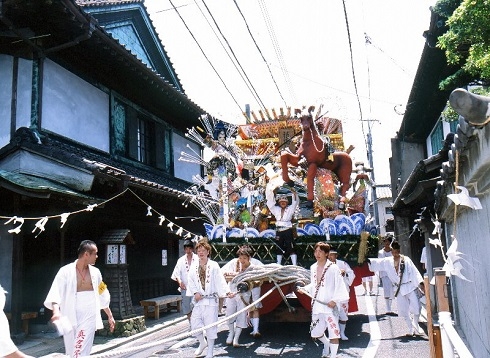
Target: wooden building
92, 122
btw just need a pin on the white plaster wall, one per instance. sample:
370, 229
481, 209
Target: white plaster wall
5, 98
74, 108
382, 216
184, 170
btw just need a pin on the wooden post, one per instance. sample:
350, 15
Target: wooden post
441, 290
433, 331
442, 306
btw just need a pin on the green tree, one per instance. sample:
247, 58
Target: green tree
467, 41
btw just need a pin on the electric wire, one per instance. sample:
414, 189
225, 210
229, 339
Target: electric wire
205, 56
243, 73
369, 41
354, 73
379, 100
277, 48
260, 51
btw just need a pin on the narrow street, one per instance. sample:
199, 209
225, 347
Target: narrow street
371, 334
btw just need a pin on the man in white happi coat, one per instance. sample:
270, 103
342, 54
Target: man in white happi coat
407, 281
383, 276
206, 284
180, 273
76, 297
7, 346
328, 291
348, 276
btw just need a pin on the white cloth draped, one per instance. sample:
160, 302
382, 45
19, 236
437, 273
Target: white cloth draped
330, 288
6, 345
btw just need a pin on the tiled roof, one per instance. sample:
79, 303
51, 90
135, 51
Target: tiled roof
111, 13
117, 236
383, 191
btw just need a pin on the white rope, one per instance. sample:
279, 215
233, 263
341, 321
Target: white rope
271, 272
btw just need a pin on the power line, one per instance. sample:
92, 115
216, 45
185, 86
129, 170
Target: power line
353, 72
258, 48
369, 41
380, 100
277, 48
247, 81
204, 54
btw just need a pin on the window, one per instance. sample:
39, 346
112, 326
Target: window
453, 126
139, 137
388, 210
437, 138
143, 141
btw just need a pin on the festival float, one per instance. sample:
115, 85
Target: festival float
301, 149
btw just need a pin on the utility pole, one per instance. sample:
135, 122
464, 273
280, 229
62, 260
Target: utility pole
371, 165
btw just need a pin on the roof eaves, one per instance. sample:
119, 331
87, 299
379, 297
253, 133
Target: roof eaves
96, 163
34, 186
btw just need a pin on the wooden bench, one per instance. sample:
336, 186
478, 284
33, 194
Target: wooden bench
157, 302
25, 317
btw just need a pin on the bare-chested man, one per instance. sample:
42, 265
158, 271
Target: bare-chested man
76, 297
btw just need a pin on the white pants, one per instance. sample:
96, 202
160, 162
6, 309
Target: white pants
407, 304
322, 321
344, 311
234, 305
204, 315
78, 343
186, 302
387, 287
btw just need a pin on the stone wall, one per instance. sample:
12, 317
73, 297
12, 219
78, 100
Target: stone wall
124, 328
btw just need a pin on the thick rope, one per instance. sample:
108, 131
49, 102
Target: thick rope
272, 273
262, 273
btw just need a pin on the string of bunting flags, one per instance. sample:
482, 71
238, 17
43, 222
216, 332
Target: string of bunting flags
41, 221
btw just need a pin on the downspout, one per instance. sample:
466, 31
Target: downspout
85, 36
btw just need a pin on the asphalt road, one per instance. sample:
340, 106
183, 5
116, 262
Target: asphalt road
371, 334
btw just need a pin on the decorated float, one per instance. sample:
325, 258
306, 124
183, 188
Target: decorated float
301, 149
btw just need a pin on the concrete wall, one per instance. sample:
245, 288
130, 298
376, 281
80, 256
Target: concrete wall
22, 117
405, 157
24, 94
